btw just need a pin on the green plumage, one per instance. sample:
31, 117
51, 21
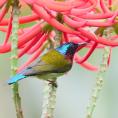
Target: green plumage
51, 65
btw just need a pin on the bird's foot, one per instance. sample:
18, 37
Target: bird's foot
53, 83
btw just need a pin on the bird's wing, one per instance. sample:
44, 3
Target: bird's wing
51, 62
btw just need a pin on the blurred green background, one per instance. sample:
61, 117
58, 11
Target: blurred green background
74, 91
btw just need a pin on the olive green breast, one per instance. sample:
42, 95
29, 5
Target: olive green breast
51, 65
53, 62
54, 58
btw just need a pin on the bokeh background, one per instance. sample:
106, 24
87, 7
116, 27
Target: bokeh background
74, 91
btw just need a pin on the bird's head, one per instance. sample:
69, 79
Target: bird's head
69, 49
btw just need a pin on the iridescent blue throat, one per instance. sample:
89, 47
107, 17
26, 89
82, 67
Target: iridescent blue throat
63, 49
68, 49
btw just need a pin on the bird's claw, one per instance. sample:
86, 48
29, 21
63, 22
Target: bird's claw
53, 83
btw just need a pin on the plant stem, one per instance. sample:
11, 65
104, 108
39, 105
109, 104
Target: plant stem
49, 100
14, 57
99, 79
50, 87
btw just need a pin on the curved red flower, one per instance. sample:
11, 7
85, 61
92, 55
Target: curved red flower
72, 19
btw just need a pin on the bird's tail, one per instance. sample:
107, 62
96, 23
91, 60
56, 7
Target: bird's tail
16, 78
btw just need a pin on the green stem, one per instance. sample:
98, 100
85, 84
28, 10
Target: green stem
99, 79
14, 57
58, 37
49, 100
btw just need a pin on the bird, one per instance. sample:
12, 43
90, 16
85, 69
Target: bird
56, 62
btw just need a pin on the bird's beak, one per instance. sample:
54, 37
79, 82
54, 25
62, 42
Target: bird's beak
81, 45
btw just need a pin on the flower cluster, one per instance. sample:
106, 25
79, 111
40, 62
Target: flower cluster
60, 21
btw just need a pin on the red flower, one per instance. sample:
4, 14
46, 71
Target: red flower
73, 18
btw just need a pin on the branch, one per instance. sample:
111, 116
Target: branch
49, 100
99, 79
14, 57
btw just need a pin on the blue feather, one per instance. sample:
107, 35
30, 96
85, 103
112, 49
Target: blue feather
63, 49
16, 78
67, 50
